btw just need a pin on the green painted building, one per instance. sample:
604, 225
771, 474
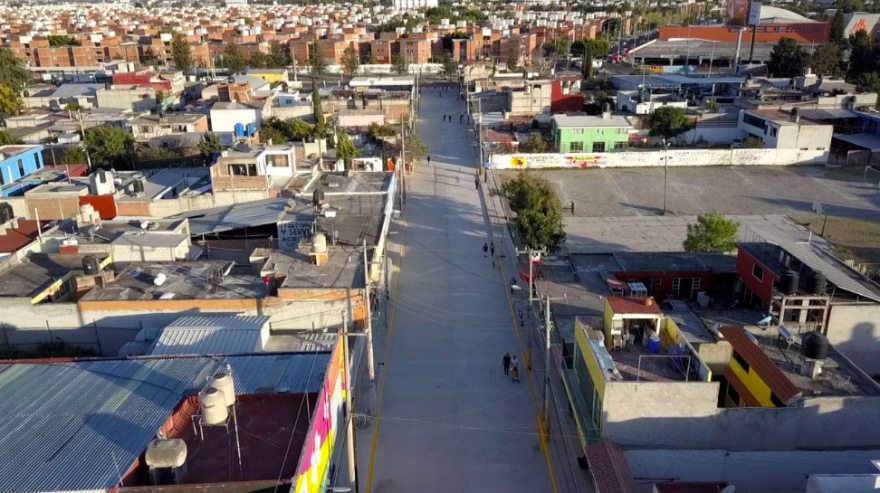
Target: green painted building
602, 133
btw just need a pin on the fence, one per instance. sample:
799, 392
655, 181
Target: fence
105, 341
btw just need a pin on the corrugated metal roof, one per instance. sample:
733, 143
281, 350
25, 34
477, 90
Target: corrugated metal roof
219, 219
210, 340
220, 321
73, 426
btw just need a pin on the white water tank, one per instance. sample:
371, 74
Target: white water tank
160, 279
319, 243
224, 383
169, 452
213, 404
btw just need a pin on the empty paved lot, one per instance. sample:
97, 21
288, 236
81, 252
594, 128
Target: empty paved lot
614, 192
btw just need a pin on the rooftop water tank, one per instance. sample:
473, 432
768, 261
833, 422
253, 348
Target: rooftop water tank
223, 382
91, 265
160, 279
213, 404
169, 452
319, 243
790, 282
815, 346
817, 283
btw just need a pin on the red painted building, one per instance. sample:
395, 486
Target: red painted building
561, 103
676, 275
757, 269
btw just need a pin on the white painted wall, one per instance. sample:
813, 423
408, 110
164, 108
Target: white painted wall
684, 157
225, 120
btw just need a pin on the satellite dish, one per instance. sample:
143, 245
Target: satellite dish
728, 489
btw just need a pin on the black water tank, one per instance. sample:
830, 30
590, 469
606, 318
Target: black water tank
317, 196
817, 284
91, 266
137, 187
790, 281
815, 345
6, 213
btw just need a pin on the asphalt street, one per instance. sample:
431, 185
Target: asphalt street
446, 417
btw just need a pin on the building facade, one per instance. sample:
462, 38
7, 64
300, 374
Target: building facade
17, 162
607, 133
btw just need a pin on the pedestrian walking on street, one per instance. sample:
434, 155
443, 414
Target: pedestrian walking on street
514, 369
492, 248
485, 249
440, 94
429, 160
444, 118
477, 183
506, 363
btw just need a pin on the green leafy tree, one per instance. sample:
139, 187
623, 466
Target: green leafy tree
587, 64
838, 29
377, 131
278, 58
351, 60
415, 148
160, 98
181, 55
787, 59
317, 62
827, 60
862, 56
753, 143
399, 64
7, 140
10, 101
13, 73
534, 145
273, 135
558, 47
450, 67
668, 122
512, 60
62, 40
317, 107
345, 149
869, 82
233, 59
74, 155
850, 6
258, 60
711, 233
109, 146
538, 211
209, 146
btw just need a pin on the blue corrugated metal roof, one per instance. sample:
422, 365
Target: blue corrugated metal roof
211, 334
75, 426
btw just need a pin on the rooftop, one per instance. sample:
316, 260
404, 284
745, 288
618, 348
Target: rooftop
183, 281
38, 272
14, 238
344, 268
586, 121
9, 151
168, 119
608, 466
634, 305
97, 417
359, 182
675, 261
211, 334
236, 216
633, 363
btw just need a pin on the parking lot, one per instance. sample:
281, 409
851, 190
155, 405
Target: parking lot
612, 192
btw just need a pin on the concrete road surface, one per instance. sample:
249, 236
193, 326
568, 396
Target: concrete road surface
447, 417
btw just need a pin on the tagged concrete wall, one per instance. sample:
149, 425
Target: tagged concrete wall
644, 416
748, 471
678, 157
854, 330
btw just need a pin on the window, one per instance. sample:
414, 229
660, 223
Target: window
577, 131
773, 131
619, 146
758, 272
2, 180
733, 394
278, 160
697, 283
754, 121
676, 284
656, 284
741, 361
598, 147
775, 400
576, 147
20, 167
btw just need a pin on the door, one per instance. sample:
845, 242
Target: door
686, 288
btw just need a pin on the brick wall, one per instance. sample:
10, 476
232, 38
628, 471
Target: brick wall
133, 208
53, 209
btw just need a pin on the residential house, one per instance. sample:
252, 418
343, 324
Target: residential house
148, 127
243, 118
127, 97
270, 75
604, 133
17, 162
253, 169
779, 129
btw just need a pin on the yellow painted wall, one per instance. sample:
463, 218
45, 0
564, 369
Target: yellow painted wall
269, 77
753, 382
670, 334
609, 315
592, 365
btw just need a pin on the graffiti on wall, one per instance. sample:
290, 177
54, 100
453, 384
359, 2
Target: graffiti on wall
291, 232
678, 157
523, 161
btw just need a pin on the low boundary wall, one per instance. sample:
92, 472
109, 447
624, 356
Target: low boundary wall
677, 157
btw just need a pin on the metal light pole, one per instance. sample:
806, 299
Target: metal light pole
665, 171
349, 395
369, 318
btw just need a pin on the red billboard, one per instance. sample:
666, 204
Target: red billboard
737, 13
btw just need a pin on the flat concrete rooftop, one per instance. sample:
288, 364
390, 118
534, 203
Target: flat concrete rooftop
359, 182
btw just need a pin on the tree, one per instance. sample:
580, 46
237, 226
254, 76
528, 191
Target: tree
557, 47
711, 233
109, 146
277, 57
668, 122
160, 97
415, 148
274, 135
300, 130
317, 108
10, 101
837, 34
181, 55
587, 64
599, 47
7, 140
399, 64
209, 146
62, 40
850, 6
512, 60
787, 59
826, 60
74, 155
377, 131
317, 62
534, 145
233, 59
351, 60
862, 55
345, 150
450, 66
753, 143
869, 82
13, 73
258, 60
538, 211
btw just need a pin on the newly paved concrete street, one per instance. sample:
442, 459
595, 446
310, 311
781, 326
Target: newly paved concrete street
446, 417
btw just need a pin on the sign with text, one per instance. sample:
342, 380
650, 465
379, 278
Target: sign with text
291, 232
736, 13
755, 14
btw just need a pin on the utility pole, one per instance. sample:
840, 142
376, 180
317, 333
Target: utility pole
665, 171
82, 129
369, 322
403, 163
349, 395
546, 361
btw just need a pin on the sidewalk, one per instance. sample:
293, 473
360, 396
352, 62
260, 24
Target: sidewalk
561, 440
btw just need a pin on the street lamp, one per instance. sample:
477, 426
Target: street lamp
665, 171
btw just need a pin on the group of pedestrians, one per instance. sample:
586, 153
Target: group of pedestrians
487, 248
511, 367
448, 118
